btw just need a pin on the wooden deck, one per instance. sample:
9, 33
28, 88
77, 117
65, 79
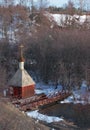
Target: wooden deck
39, 101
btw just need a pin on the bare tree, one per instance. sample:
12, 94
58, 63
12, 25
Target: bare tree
8, 2
43, 4
3, 79
82, 5
70, 7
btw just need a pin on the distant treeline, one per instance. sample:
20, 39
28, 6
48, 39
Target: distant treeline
66, 10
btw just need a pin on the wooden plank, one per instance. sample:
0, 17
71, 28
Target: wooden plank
45, 102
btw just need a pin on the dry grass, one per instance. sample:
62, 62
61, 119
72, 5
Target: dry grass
12, 119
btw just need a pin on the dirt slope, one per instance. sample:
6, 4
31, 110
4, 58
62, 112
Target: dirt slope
12, 119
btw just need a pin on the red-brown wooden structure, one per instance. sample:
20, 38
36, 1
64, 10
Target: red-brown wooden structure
21, 85
36, 101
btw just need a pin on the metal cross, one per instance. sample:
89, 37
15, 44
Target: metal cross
21, 50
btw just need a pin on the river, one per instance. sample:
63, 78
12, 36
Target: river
77, 113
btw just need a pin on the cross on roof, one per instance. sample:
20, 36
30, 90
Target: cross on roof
21, 52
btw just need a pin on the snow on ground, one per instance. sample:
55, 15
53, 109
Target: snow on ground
48, 90
77, 100
81, 96
61, 19
49, 119
78, 96
70, 99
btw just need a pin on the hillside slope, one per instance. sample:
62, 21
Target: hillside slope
12, 119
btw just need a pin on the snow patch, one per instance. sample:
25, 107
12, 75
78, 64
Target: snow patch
49, 119
48, 90
78, 97
66, 19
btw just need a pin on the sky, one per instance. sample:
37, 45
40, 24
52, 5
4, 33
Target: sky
58, 3
61, 3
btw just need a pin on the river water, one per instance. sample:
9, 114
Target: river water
77, 113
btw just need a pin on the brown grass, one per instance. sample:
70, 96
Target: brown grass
12, 119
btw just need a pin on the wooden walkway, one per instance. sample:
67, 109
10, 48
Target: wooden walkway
36, 101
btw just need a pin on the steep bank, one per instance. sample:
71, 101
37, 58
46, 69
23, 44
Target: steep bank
12, 119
